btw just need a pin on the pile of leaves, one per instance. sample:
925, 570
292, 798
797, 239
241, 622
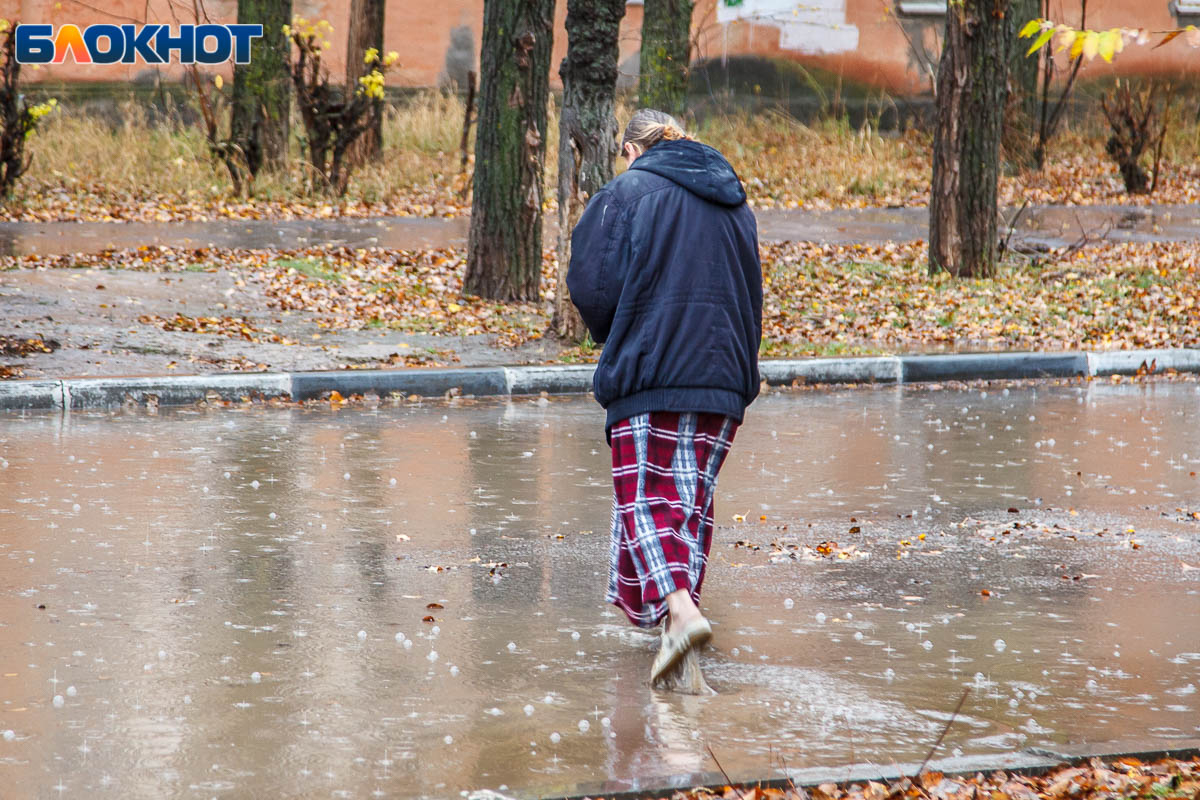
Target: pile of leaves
879, 298
234, 327
21, 347
17, 346
418, 291
84, 201
1128, 778
818, 299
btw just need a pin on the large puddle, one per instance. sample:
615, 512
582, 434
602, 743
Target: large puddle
231, 603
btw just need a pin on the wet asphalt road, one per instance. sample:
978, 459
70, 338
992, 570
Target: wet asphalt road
408, 601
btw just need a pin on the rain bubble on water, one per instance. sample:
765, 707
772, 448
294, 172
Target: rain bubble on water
255, 677
999, 644
71, 691
555, 738
788, 602
9, 735
399, 636
584, 725
528, 710
58, 701
362, 635
512, 647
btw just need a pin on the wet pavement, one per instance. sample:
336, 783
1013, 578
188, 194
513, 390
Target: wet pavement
1037, 227
407, 601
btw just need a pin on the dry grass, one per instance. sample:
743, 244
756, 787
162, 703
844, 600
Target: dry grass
786, 164
140, 168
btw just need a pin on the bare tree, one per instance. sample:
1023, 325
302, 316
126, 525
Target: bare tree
262, 88
365, 33
504, 248
587, 142
972, 90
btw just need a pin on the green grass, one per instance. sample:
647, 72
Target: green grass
312, 267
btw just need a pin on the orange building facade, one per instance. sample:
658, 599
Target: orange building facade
862, 40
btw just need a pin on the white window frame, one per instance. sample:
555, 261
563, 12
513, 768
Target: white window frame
1186, 10
921, 8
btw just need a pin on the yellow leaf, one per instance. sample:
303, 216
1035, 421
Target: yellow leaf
1077, 47
1106, 45
1030, 28
1040, 41
219, 81
1091, 45
1066, 37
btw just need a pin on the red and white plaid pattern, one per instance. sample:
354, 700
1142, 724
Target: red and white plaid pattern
665, 467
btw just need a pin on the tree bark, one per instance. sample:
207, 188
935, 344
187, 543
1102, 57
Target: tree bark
1022, 113
504, 248
262, 88
972, 89
587, 132
665, 55
365, 31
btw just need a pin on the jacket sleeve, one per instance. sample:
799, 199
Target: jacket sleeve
595, 275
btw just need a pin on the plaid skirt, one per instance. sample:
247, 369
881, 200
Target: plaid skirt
665, 467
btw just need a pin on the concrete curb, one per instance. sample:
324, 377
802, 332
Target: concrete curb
1031, 761
86, 393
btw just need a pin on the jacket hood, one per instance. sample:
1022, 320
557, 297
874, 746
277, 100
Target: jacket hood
696, 167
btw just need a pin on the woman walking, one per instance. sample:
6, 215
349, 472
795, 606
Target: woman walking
665, 272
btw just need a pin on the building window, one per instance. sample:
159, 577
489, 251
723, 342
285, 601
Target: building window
1187, 12
923, 8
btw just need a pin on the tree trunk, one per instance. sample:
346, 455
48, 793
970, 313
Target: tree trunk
1021, 118
262, 88
504, 248
365, 32
587, 132
665, 55
972, 89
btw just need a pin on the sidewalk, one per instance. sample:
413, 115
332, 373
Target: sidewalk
96, 317
1037, 226
84, 393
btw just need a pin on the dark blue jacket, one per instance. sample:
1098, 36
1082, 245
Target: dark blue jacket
665, 272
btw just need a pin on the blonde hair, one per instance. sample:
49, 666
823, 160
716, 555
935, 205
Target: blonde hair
647, 127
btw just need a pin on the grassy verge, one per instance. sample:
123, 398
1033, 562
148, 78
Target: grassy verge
88, 168
818, 299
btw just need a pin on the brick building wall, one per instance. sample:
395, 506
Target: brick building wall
858, 39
